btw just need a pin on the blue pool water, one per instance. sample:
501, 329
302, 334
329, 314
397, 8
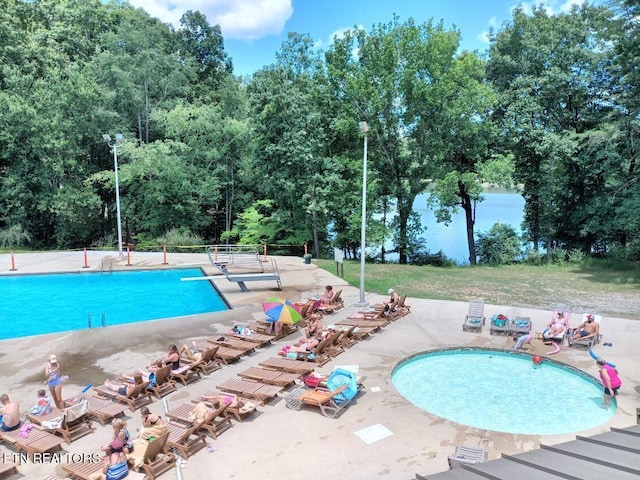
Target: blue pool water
37, 304
502, 392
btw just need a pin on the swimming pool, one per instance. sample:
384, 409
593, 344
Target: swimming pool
502, 391
37, 304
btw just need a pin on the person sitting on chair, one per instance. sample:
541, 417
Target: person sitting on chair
392, 300
328, 294
557, 326
587, 329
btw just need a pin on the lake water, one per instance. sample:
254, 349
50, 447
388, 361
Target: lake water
452, 239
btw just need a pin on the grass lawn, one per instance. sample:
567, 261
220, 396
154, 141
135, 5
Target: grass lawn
578, 287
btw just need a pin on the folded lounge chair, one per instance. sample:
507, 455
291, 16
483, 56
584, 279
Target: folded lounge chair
465, 455
474, 321
139, 397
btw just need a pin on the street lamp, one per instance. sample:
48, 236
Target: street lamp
364, 128
114, 146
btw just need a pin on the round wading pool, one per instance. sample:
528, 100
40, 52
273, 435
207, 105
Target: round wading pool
502, 391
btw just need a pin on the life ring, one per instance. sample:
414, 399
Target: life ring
596, 358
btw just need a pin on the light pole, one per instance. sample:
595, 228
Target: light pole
114, 146
364, 128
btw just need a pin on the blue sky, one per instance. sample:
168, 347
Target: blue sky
254, 30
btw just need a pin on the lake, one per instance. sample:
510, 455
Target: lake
452, 239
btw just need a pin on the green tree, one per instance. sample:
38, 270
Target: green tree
499, 246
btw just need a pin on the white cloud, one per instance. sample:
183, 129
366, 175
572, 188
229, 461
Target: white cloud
238, 19
484, 35
551, 7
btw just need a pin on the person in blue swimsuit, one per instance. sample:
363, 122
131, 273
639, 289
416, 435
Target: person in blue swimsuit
54, 380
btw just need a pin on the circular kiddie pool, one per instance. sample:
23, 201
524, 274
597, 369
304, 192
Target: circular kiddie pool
502, 391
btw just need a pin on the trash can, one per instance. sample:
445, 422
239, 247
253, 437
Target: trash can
307, 258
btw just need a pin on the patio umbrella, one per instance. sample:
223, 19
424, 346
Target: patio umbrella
283, 311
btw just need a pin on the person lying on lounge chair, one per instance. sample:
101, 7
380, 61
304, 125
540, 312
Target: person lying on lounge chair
125, 389
224, 398
557, 326
587, 329
192, 352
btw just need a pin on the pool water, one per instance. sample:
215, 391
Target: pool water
502, 392
37, 304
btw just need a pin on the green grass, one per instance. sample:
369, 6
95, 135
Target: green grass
607, 289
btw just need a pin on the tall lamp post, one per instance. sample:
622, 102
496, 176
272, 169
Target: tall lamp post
119, 140
364, 128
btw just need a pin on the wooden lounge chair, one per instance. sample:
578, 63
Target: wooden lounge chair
209, 363
335, 304
257, 338
139, 397
348, 338
248, 407
102, 409
272, 377
217, 421
7, 465
318, 397
186, 440
474, 321
37, 441
164, 384
71, 423
187, 373
288, 365
251, 389
157, 458
231, 342
224, 354
85, 471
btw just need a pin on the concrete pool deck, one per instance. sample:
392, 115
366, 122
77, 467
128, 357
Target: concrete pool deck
279, 443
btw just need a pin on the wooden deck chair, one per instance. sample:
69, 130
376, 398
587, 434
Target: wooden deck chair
139, 397
333, 347
319, 397
257, 338
214, 421
75, 421
7, 466
348, 338
225, 355
240, 412
235, 343
82, 470
186, 440
403, 307
37, 441
474, 321
335, 304
156, 458
187, 373
251, 389
102, 409
271, 377
164, 384
209, 362
288, 365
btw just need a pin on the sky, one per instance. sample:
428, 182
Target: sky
253, 30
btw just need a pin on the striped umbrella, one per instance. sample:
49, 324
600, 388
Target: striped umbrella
283, 311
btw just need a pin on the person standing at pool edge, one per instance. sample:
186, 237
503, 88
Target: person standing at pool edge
54, 380
610, 380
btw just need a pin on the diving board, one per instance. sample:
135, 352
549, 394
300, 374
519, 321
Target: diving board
240, 264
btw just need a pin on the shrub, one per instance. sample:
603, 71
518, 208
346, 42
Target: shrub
499, 246
14, 236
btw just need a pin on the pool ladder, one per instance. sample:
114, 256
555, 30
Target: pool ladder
103, 320
102, 266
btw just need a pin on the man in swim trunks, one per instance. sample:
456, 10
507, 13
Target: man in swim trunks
587, 329
10, 412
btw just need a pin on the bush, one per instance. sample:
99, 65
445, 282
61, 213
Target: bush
499, 246
180, 238
14, 236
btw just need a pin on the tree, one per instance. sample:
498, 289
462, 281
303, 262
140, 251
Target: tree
499, 246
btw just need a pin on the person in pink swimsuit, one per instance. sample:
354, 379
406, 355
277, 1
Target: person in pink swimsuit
610, 380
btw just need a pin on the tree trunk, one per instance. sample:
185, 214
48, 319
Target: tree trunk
469, 213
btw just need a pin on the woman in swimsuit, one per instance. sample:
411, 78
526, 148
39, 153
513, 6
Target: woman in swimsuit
125, 389
54, 380
172, 357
